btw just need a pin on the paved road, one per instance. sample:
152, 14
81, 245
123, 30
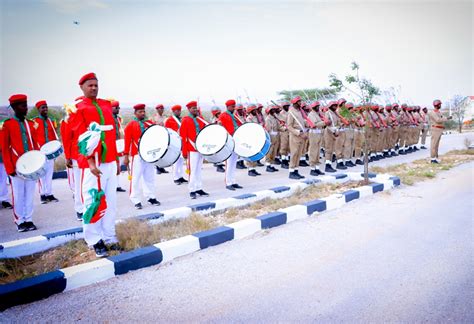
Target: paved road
404, 256
59, 216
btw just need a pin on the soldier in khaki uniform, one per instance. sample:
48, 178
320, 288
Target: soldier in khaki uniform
273, 127
319, 122
348, 147
284, 137
341, 138
252, 118
306, 110
382, 138
437, 121
359, 135
330, 135
373, 131
405, 122
296, 125
159, 117
425, 126
392, 122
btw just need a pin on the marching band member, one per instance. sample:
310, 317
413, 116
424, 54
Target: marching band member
142, 172
19, 138
174, 122
45, 132
315, 137
273, 127
297, 128
118, 134
99, 170
252, 117
230, 122
4, 194
437, 121
330, 134
190, 127
284, 136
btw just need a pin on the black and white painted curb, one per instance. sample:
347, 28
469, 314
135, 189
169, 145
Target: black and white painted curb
45, 285
29, 246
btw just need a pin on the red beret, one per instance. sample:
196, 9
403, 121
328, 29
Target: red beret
332, 103
159, 106
436, 102
251, 108
295, 99
88, 76
17, 98
191, 104
259, 106
215, 110
176, 107
285, 103
350, 105
239, 107
270, 108
341, 101
139, 106
114, 103
40, 103
230, 102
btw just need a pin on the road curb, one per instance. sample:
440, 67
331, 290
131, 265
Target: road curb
45, 285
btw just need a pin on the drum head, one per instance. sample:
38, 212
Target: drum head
249, 139
153, 143
50, 147
211, 139
30, 162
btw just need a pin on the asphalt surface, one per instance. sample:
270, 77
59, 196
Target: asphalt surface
402, 256
59, 216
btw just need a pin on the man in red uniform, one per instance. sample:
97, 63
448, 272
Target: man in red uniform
45, 132
100, 169
174, 122
190, 128
143, 174
118, 134
230, 123
19, 138
4, 194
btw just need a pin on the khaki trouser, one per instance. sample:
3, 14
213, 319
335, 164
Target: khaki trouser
358, 142
348, 144
371, 138
424, 132
403, 136
339, 145
329, 142
306, 146
274, 147
394, 136
284, 143
296, 150
315, 138
388, 138
435, 139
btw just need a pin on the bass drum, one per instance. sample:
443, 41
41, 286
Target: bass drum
159, 145
214, 143
252, 142
31, 165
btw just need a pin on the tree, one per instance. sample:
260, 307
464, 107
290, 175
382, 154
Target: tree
458, 105
363, 89
309, 94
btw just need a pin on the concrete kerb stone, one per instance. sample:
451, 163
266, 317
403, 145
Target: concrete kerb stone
44, 285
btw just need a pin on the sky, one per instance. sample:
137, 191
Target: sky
177, 51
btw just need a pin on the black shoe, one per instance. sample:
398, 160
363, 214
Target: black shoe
193, 195
274, 169
220, 168
319, 172
410, 149
231, 187
341, 166
100, 249
277, 161
423, 147
202, 193
270, 169
386, 154
402, 152
22, 227
359, 162
236, 186
30, 226
329, 168
260, 164
434, 162
120, 189
299, 175
179, 181
393, 153
183, 180
350, 164
284, 164
240, 165
333, 158
252, 173
294, 175
6, 204
44, 199
162, 170
313, 173
79, 216
52, 198
138, 205
114, 247
158, 170
153, 202
416, 149
303, 163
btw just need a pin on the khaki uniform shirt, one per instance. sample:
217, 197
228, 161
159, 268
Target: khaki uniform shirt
295, 122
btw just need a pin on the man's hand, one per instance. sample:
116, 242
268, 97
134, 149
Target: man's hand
450, 117
12, 174
69, 163
304, 135
126, 161
94, 169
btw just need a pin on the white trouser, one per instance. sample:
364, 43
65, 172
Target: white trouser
195, 161
120, 165
23, 192
74, 177
145, 172
46, 181
3, 184
230, 165
104, 228
178, 171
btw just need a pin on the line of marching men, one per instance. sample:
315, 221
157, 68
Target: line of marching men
300, 133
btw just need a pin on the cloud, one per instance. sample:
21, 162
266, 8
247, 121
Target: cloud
75, 6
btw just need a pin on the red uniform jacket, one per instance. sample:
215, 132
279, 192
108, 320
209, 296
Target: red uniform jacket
226, 121
12, 145
188, 134
40, 130
132, 136
171, 123
80, 121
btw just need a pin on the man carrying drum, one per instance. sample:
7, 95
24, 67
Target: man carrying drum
118, 134
190, 127
140, 170
99, 170
19, 138
45, 132
174, 122
230, 123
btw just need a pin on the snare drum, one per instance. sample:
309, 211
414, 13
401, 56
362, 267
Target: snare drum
31, 165
252, 142
159, 145
52, 149
120, 143
214, 143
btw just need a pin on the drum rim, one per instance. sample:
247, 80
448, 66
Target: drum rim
267, 138
140, 139
227, 134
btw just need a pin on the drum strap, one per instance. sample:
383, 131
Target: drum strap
23, 131
102, 133
297, 121
45, 126
54, 129
141, 123
177, 121
233, 119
